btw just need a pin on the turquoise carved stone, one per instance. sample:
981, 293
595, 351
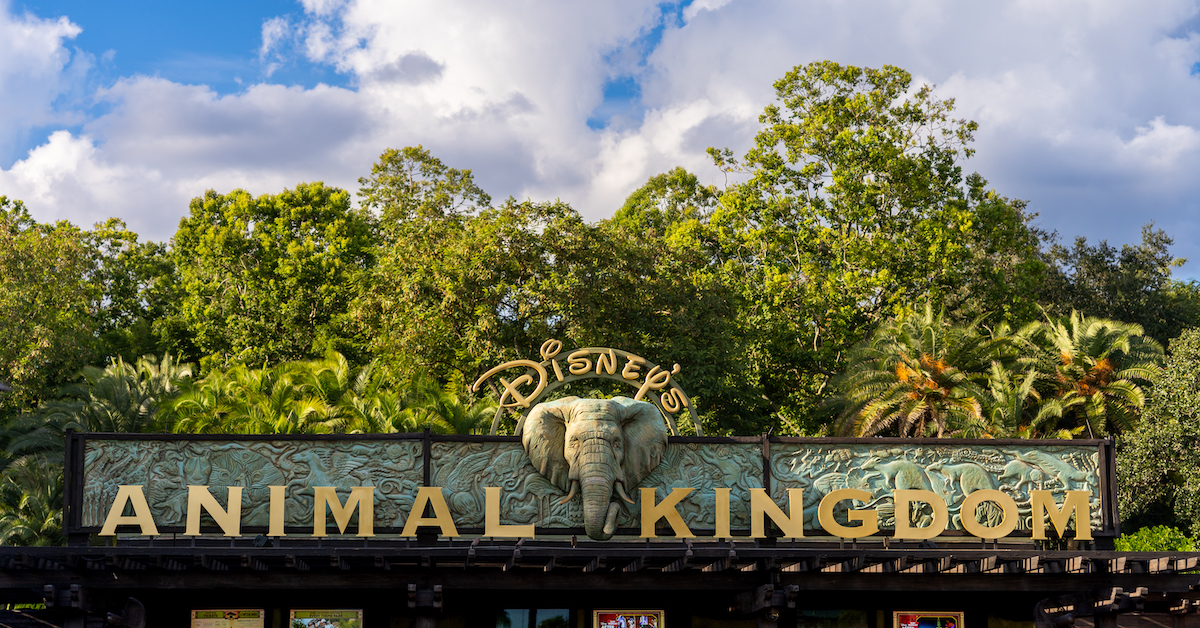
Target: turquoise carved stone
165, 469
952, 471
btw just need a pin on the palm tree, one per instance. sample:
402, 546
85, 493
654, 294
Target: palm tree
917, 376
1102, 366
31, 502
320, 396
451, 414
1014, 408
118, 398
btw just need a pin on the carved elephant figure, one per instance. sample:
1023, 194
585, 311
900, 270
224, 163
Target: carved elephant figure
593, 448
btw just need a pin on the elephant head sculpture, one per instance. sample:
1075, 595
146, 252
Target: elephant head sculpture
593, 447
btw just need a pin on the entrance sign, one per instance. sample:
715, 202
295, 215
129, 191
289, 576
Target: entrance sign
573, 466
486, 486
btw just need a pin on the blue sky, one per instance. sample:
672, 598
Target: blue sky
1087, 109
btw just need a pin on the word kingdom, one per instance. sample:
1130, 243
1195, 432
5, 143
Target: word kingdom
762, 507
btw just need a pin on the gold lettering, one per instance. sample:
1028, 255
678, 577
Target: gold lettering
722, 506
511, 392
762, 506
131, 494
510, 389
607, 362
360, 497
557, 371
550, 348
652, 512
276, 519
670, 402
579, 362
632, 366
656, 379
905, 529
491, 518
199, 497
432, 496
970, 521
869, 518
1075, 502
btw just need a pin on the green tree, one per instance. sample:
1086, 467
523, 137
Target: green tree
411, 184
1015, 408
323, 396
48, 305
1003, 273
269, 278
1158, 464
1132, 284
461, 292
854, 208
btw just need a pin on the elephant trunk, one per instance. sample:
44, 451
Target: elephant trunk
597, 473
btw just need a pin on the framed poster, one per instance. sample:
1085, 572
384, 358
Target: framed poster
228, 618
930, 619
627, 619
326, 618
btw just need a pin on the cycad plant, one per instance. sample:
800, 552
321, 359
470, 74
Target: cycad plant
1014, 408
917, 376
1101, 370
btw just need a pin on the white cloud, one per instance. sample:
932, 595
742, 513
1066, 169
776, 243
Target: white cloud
35, 70
1087, 107
66, 179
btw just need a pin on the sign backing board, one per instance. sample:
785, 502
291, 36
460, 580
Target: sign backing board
627, 619
163, 466
228, 618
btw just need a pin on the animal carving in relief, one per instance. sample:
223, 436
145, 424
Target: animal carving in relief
1026, 476
969, 476
1059, 470
901, 474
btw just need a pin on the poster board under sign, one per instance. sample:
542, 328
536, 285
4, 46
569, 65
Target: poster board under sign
228, 618
928, 619
627, 619
326, 618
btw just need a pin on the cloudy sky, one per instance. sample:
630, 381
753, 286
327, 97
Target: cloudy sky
1088, 109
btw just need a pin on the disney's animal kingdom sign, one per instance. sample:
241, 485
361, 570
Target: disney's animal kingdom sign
601, 467
487, 486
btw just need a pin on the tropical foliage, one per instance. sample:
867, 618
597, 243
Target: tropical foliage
848, 276
921, 375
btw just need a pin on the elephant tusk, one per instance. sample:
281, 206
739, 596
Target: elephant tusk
572, 493
622, 493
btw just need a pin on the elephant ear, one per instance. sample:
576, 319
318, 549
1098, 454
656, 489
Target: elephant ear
645, 434
543, 434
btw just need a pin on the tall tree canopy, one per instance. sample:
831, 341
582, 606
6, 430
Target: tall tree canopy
269, 278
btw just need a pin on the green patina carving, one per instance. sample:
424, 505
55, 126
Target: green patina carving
166, 468
536, 473
951, 471
464, 469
